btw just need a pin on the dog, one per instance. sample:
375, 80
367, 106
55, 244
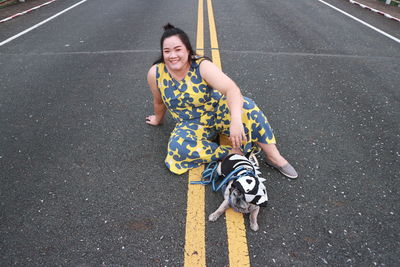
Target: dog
246, 193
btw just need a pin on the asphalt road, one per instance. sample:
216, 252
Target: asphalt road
82, 176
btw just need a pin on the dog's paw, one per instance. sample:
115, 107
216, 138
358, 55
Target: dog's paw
213, 217
254, 226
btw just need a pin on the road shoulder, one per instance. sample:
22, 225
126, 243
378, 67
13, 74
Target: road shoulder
379, 6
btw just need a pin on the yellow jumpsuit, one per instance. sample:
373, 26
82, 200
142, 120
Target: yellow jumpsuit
201, 113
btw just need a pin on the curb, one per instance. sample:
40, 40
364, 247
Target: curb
6, 3
26, 11
374, 10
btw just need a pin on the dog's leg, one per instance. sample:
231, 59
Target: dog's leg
253, 219
221, 210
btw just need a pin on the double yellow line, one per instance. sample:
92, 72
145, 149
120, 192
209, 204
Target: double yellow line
195, 244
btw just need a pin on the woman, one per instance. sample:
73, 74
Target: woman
205, 102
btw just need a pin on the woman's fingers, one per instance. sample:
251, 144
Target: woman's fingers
237, 135
244, 137
233, 143
150, 120
236, 141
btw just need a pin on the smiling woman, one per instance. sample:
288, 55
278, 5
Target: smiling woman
177, 56
205, 102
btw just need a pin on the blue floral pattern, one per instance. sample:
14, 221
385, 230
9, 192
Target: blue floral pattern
201, 113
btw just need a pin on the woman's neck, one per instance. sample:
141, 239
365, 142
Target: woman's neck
181, 73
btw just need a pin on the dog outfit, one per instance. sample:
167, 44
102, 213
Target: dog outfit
248, 181
201, 113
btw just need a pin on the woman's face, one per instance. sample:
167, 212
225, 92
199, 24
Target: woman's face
176, 56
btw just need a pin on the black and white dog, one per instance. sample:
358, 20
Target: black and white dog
244, 194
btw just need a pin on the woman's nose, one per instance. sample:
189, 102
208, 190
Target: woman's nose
172, 54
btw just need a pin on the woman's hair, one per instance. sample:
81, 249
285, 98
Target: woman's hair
170, 30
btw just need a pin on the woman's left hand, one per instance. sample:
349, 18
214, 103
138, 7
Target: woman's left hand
237, 134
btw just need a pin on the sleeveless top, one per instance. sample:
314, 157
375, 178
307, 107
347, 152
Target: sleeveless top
191, 99
201, 113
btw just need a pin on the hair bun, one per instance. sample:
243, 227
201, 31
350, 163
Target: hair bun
168, 26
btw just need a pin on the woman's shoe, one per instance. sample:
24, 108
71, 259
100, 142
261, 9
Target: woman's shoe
286, 170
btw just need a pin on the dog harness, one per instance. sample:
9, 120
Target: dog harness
243, 172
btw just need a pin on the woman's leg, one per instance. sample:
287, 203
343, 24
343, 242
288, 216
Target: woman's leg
275, 159
272, 154
258, 131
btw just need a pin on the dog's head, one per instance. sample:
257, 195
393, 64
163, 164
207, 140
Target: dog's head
245, 192
237, 200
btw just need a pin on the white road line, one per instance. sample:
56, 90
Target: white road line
40, 23
362, 22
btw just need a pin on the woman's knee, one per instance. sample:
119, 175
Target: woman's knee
249, 104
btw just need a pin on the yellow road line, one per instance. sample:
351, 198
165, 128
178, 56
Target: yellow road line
236, 231
195, 244
213, 36
237, 241
235, 227
195, 247
195, 252
200, 30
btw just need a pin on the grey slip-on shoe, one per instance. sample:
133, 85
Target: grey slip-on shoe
286, 170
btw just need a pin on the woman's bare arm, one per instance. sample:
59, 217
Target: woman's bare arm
221, 82
158, 104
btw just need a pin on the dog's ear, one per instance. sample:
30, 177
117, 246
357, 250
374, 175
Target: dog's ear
235, 184
231, 189
261, 179
238, 186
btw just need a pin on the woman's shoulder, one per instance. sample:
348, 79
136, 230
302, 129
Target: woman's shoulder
199, 59
152, 71
157, 69
199, 62
207, 66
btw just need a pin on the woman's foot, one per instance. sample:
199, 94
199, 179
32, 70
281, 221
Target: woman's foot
274, 159
286, 169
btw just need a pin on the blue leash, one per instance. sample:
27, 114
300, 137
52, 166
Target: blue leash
210, 175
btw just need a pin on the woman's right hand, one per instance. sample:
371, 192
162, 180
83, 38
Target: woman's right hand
152, 120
